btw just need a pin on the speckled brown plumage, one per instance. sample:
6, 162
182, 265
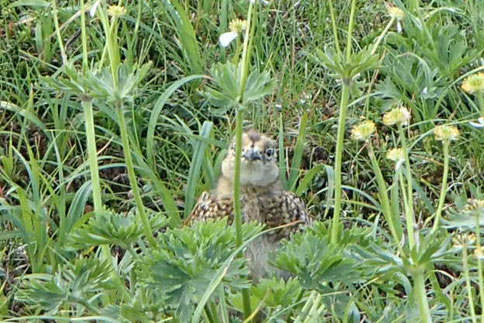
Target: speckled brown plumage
262, 198
210, 207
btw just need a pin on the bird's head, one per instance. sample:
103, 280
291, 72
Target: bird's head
258, 163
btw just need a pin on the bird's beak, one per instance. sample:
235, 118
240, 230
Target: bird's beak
252, 154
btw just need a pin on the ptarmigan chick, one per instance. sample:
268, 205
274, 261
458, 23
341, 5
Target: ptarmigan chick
263, 198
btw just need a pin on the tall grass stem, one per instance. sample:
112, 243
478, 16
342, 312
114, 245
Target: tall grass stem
443, 189
408, 173
479, 263
92, 154
465, 263
57, 31
132, 176
384, 200
345, 95
335, 26
84, 37
351, 25
382, 35
237, 196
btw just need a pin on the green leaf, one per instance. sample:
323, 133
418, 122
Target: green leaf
78, 282
107, 227
314, 261
190, 260
225, 93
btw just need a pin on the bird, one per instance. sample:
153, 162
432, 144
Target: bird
263, 199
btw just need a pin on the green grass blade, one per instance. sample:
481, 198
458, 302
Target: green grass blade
186, 35
150, 141
298, 153
282, 156
196, 166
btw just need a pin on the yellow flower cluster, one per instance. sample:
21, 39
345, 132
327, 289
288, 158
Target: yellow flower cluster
363, 131
446, 133
463, 240
116, 11
396, 155
238, 25
479, 252
398, 116
474, 83
395, 12
473, 205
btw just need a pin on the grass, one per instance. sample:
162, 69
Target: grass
112, 123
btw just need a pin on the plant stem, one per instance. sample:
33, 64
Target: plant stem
238, 156
409, 207
480, 102
421, 298
479, 264
350, 30
335, 27
408, 214
382, 35
465, 261
83, 38
132, 176
443, 189
385, 202
237, 196
345, 95
249, 32
92, 154
246, 54
57, 31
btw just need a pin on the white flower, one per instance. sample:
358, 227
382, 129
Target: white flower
92, 12
226, 38
236, 26
262, 1
479, 123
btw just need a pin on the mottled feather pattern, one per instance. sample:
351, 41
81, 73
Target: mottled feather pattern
281, 209
274, 210
210, 207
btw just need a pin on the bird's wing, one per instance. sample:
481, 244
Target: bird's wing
285, 208
209, 207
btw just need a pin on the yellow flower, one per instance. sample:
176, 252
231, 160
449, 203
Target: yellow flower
116, 11
446, 133
363, 131
238, 25
395, 12
474, 83
398, 115
473, 205
464, 239
396, 154
479, 252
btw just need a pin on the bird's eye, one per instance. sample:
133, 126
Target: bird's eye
269, 152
